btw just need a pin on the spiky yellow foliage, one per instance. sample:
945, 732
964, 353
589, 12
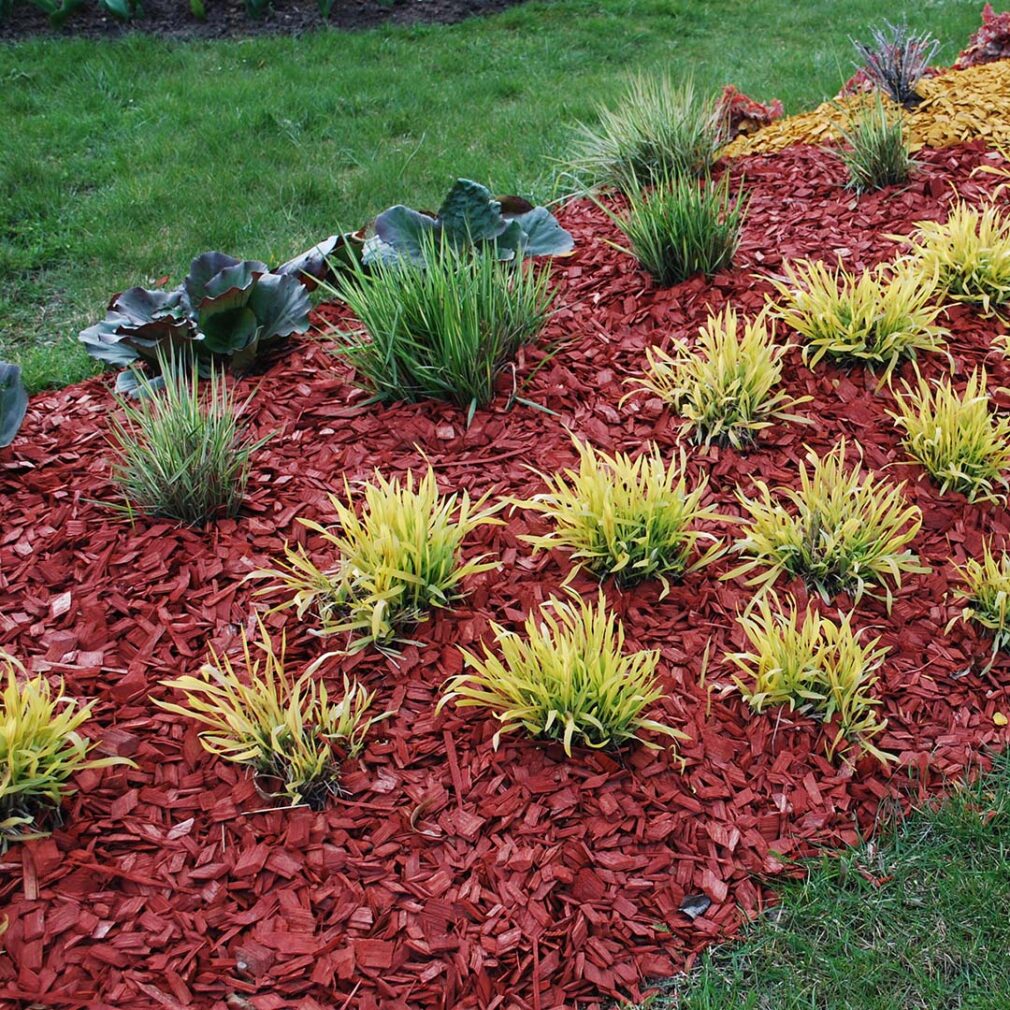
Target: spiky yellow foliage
726, 386
568, 678
957, 437
395, 562
630, 518
814, 665
287, 730
986, 594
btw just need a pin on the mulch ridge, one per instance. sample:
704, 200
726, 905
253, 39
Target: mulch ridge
451, 875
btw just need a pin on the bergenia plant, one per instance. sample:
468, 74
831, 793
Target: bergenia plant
226, 311
469, 216
13, 402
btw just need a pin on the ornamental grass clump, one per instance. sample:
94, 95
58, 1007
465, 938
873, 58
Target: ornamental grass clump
394, 562
632, 519
180, 449
896, 60
812, 665
658, 129
568, 678
290, 732
877, 154
968, 256
725, 385
957, 437
843, 530
680, 227
986, 594
41, 749
443, 330
876, 319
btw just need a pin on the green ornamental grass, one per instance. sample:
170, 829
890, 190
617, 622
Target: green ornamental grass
444, 330
658, 129
181, 452
680, 227
985, 592
877, 154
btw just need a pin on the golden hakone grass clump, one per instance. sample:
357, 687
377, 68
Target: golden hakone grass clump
877, 319
985, 592
843, 530
289, 731
41, 749
393, 562
958, 437
967, 256
813, 665
726, 385
566, 678
630, 518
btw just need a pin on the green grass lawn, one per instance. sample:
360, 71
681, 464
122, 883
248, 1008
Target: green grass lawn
122, 160
933, 933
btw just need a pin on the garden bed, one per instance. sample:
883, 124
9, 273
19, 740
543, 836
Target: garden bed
451, 874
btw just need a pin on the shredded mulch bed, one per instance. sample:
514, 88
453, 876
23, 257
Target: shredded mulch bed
229, 19
451, 875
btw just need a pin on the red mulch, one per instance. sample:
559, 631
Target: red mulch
453, 876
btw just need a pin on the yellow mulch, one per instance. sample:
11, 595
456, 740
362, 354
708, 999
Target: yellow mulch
957, 106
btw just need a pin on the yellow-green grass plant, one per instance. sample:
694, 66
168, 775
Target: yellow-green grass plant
843, 530
725, 385
967, 256
41, 749
630, 518
985, 591
443, 330
678, 227
877, 319
289, 731
658, 128
395, 561
877, 154
180, 451
814, 665
958, 437
567, 678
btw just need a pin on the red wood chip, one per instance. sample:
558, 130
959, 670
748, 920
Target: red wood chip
451, 874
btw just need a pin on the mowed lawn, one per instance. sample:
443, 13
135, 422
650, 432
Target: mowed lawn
123, 159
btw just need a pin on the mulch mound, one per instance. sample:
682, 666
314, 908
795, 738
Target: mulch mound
451, 875
229, 18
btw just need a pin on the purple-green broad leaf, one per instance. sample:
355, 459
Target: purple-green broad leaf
139, 321
13, 402
469, 216
324, 260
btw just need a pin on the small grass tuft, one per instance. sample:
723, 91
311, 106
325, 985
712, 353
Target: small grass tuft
957, 437
877, 154
986, 594
633, 519
877, 319
968, 256
41, 749
182, 455
568, 679
443, 331
658, 129
813, 665
680, 227
844, 530
395, 562
725, 385
291, 733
